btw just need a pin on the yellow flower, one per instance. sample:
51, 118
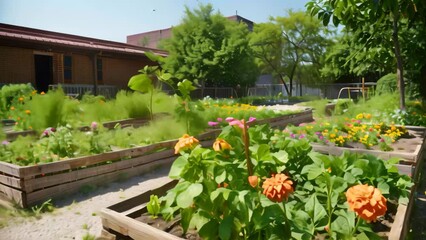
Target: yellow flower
186, 142
12, 108
359, 116
366, 201
28, 112
42, 93
220, 145
21, 99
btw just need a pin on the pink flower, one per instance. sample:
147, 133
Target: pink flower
94, 126
5, 142
213, 124
219, 119
229, 119
239, 123
251, 119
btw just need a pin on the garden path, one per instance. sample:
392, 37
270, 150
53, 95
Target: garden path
78, 214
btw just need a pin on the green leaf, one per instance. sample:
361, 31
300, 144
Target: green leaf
315, 209
141, 83
225, 227
210, 230
186, 198
220, 175
177, 167
220, 191
383, 187
186, 216
313, 171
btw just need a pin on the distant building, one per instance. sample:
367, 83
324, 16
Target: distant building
45, 58
152, 38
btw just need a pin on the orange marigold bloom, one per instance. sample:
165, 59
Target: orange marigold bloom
28, 112
277, 187
220, 145
21, 99
42, 93
367, 201
253, 181
186, 142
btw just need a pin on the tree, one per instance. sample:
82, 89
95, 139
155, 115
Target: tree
210, 48
283, 45
362, 16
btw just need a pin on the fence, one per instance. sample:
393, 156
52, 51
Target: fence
76, 90
330, 91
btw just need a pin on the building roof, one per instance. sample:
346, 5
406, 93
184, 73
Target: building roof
37, 36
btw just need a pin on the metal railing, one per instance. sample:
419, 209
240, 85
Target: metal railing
78, 90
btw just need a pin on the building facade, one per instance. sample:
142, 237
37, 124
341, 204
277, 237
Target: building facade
45, 58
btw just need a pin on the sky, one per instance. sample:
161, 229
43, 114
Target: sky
115, 19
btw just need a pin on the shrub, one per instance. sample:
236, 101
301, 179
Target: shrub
387, 84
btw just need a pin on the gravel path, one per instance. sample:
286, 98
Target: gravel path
78, 215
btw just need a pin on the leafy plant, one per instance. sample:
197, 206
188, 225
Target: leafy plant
153, 206
256, 183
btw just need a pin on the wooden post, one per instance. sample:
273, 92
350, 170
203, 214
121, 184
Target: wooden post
363, 81
95, 74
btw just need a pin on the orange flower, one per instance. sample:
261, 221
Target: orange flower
185, 142
12, 108
278, 187
220, 145
28, 112
253, 181
367, 201
21, 99
42, 93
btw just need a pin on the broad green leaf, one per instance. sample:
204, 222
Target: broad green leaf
186, 198
141, 83
177, 167
315, 209
210, 230
225, 227
383, 187
186, 216
313, 171
220, 175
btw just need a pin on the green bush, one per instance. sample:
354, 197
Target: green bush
10, 94
387, 84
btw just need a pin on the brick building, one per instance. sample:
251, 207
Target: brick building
152, 38
43, 58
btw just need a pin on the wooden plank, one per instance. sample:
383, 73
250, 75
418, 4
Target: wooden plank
63, 165
10, 169
72, 187
11, 181
134, 229
401, 224
13, 195
31, 185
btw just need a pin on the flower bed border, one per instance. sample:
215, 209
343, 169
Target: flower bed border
30, 185
119, 219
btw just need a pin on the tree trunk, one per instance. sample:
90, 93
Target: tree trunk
399, 66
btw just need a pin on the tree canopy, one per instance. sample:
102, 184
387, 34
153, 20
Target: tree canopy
289, 45
210, 48
370, 19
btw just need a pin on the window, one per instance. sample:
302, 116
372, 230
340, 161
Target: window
67, 69
99, 70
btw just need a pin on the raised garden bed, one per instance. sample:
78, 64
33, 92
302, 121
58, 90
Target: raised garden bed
31, 185
410, 150
124, 220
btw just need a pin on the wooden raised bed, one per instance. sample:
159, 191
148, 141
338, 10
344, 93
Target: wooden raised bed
410, 157
120, 220
30, 185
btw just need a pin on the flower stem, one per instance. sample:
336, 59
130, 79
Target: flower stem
246, 147
287, 223
359, 219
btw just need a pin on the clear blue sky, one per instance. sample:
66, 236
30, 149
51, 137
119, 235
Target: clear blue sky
115, 19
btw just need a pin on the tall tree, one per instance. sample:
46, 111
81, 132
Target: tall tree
210, 48
362, 16
286, 43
